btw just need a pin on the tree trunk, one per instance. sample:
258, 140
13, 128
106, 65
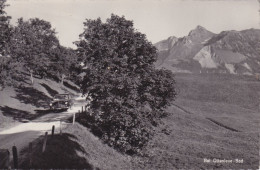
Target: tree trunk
31, 73
62, 78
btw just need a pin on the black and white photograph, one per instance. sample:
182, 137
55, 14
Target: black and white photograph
129, 84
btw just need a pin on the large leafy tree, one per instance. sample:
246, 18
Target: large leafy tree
32, 44
5, 29
5, 34
127, 93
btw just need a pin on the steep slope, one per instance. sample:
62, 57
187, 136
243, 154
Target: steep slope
166, 44
188, 46
185, 48
238, 49
76, 148
245, 42
163, 47
212, 117
235, 52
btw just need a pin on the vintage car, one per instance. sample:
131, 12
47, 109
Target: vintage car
61, 102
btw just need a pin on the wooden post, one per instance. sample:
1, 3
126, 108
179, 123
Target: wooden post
31, 73
74, 115
44, 142
15, 157
30, 155
52, 131
60, 128
78, 113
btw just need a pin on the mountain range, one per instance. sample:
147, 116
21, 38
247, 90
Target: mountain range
234, 52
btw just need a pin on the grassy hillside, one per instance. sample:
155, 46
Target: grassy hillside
216, 117
27, 101
238, 90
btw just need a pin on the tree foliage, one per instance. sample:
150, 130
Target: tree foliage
5, 29
128, 94
5, 34
32, 44
64, 63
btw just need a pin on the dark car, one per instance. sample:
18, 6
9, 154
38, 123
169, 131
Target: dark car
61, 102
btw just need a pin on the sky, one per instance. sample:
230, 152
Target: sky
158, 19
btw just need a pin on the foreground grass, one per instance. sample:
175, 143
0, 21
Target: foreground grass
61, 152
184, 140
76, 148
99, 154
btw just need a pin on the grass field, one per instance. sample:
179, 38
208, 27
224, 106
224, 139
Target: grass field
216, 116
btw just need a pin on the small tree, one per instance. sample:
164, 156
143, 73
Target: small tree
128, 93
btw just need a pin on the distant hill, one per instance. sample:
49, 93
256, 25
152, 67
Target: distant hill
234, 52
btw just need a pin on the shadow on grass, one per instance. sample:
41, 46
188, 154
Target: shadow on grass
21, 115
23, 79
67, 84
29, 95
24, 116
50, 90
17, 114
62, 151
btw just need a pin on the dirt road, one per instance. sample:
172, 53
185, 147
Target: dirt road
22, 134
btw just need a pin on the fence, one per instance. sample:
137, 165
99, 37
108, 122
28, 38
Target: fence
5, 154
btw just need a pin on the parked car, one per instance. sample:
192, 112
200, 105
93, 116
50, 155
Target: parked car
61, 102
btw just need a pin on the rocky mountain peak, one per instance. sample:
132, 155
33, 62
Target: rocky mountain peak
199, 30
172, 38
166, 44
234, 52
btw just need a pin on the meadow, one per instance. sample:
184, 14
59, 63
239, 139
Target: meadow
215, 116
